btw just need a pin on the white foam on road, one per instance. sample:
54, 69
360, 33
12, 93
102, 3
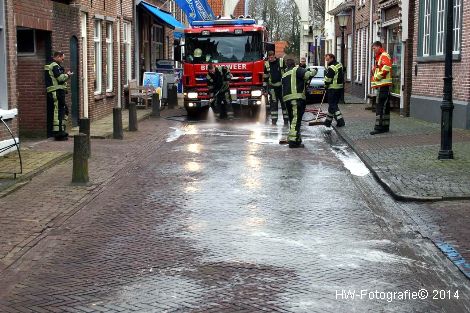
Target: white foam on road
350, 161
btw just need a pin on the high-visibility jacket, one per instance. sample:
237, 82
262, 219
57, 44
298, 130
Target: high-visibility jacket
293, 83
219, 80
334, 76
273, 72
56, 79
382, 70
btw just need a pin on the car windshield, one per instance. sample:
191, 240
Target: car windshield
320, 72
224, 48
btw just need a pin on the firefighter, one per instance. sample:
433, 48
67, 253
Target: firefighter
196, 57
334, 86
274, 68
56, 83
293, 88
381, 80
218, 78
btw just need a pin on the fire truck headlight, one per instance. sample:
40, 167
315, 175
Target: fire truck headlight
191, 104
192, 95
256, 93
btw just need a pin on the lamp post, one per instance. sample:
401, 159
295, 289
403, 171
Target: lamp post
447, 106
315, 52
343, 18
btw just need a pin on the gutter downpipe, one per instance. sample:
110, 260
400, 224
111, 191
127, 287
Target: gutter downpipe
369, 51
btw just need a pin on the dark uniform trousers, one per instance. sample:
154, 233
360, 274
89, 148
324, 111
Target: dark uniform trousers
58, 111
275, 96
334, 96
382, 110
295, 109
223, 103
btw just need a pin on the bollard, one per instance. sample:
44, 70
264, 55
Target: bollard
84, 128
117, 124
132, 117
172, 96
80, 159
155, 105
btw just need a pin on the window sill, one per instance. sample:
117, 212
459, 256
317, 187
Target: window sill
110, 94
8, 114
438, 58
358, 82
99, 96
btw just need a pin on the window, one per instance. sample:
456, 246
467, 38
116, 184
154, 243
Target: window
98, 52
127, 52
349, 65
440, 27
457, 24
109, 57
427, 27
3, 57
26, 43
338, 49
157, 42
432, 26
360, 53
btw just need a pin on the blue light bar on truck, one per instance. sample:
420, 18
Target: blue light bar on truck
245, 21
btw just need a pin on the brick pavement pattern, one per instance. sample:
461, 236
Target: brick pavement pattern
217, 219
405, 159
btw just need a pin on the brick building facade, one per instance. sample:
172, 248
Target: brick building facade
428, 62
99, 42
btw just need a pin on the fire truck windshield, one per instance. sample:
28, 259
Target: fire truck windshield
224, 48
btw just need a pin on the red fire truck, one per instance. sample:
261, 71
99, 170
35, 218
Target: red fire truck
235, 43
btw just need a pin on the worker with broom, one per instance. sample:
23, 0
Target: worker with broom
334, 86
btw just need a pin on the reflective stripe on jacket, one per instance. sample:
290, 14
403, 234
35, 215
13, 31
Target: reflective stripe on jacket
293, 83
273, 72
334, 76
55, 77
382, 70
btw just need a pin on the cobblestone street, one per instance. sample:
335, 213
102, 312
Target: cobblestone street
200, 217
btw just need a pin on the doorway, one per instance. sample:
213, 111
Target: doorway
74, 82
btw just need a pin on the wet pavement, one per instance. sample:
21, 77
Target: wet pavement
218, 217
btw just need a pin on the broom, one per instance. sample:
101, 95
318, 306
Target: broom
316, 121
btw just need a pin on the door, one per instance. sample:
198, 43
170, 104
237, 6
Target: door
74, 87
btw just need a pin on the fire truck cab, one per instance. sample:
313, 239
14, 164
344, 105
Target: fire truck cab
235, 43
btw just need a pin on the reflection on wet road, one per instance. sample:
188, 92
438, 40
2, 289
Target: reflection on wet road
221, 218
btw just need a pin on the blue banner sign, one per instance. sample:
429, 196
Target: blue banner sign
196, 10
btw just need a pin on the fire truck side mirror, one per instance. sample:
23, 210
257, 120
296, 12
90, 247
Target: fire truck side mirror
177, 53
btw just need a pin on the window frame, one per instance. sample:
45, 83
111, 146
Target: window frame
440, 26
97, 37
127, 36
3, 61
109, 56
427, 45
34, 42
350, 51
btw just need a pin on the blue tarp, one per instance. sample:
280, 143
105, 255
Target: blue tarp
167, 18
196, 10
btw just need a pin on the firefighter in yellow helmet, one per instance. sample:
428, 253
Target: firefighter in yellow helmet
334, 88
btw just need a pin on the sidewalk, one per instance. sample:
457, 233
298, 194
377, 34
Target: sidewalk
38, 156
405, 160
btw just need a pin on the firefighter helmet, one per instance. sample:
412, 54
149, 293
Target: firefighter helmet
197, 53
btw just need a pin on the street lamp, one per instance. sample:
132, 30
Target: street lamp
447, 106
343, 18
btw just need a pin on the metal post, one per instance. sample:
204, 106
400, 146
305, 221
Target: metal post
80, 159
132, 116
447, 106
84, 128
155, 105
117, 123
